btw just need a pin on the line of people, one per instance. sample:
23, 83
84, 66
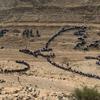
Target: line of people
26, 51
73, 70
96, 58
64, 29
16, 70
38, 53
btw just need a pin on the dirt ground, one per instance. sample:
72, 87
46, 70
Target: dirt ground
44, 81
37, 79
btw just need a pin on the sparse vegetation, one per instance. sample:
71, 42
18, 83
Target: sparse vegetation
86, 94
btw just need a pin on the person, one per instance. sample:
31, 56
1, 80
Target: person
98, 62
31, 33
3, 31
26, 33
37, 33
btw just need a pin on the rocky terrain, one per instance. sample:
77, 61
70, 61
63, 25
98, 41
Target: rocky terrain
86, 11
48, 48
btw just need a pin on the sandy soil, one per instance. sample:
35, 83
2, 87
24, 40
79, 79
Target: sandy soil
44, 81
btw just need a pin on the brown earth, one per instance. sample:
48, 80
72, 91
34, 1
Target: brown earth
44, 81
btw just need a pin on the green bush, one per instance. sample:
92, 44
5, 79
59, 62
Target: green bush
86, 94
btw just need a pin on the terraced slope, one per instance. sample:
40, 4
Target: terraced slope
50, 11
43, 80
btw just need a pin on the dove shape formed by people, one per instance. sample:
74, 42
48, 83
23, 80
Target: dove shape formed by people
49, 57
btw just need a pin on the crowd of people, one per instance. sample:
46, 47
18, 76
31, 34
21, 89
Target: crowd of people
82, 43
81, 34
29, 33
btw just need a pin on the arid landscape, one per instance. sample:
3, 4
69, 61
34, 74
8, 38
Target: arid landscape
48, 48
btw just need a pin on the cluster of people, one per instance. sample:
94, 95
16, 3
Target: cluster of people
81, 32
3, 31
26, 51
29, 33
45, 49
95, 44
81, 45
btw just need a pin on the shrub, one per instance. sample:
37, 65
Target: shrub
86, 94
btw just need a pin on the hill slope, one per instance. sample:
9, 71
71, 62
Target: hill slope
50, 11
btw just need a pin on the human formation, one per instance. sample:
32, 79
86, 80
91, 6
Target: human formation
80, 33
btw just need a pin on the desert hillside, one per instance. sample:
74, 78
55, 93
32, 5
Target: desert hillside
82, 11
48, 48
